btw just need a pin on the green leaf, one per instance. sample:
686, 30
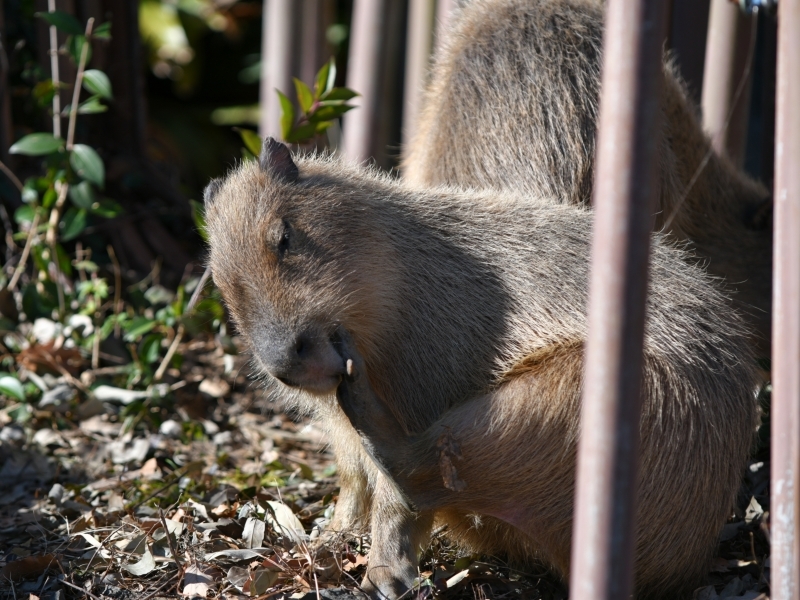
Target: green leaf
87, 265
96, 82
11, 386
331, 75
62, 21
107, 208
90, 106
74, 45
24, 214
44, 92
328, 113
49, 198
150, 348
341, 93
250, 139
158, 294
199, 217
287, 114
37, 144
88, 164
321, 127
302, 134
321, 83
326, 77
304, 95
64, 260
137, 327
73, 223
103, 31
82, 195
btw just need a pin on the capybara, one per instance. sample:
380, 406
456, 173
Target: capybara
522, 78
450, 327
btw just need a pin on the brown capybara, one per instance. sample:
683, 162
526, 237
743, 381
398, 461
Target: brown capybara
522, 78
464, 316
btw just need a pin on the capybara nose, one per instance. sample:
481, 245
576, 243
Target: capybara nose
308, 360
303, 346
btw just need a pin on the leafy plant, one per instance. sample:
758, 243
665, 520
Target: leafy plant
68, 295
318, 109
71, 172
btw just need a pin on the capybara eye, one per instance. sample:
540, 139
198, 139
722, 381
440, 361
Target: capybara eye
283, 243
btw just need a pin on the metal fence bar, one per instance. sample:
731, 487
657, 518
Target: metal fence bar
419, 40
625, 186
364, 76
730, 38
785, 409
444, 13
280, 24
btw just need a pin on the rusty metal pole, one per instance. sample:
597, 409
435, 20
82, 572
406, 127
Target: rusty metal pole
785, 409
364, 76
624, 200
419, 39
279, 28
731, 35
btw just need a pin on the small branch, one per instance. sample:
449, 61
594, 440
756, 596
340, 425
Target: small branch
55, 214
198, 290
51, 7
170, 353
76, 92
10, 174
117, 287
25, 252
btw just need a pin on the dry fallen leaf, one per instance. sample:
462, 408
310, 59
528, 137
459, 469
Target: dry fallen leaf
145, 565
260, 581
197, 580
29, 567
285, 522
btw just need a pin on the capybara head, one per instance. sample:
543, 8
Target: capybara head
278, 257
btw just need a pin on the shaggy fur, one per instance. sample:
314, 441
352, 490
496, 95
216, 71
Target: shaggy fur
513, 105
465, 316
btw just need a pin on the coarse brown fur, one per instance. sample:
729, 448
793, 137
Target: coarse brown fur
513, 104
464, 316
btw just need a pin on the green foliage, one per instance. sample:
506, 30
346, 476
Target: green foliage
88, 164
319, 109
62, 21
37, 144
96, 82
11, 386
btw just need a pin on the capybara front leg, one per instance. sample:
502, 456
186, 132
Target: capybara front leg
398, 534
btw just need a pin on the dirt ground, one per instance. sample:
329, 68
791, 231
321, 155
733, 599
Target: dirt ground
198, 487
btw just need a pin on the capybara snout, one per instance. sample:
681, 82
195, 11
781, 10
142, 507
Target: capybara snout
306, 359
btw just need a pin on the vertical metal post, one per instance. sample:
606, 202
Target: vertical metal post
444, 12
731, 36
6, 127
624, 194
785, 410
279, 25
419, 39
364, 76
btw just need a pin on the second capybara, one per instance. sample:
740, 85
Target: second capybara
522, 78
438, 337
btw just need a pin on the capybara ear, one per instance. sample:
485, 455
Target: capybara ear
211, 190
276, 160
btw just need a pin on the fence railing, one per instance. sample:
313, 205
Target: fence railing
604, 532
